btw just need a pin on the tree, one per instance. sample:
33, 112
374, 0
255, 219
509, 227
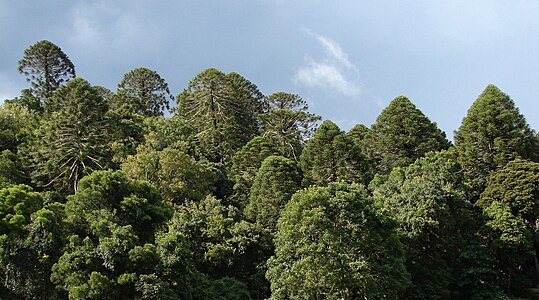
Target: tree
16, 124
222, 110
177, 176
511, 205
276, 181
288, 123
72, 141
401, 134
31, 240
427, 201
46, 67
332, 244
492, 134
146, 91
245, 165
112, 252
330, 156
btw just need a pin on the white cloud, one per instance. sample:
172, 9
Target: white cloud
333, 72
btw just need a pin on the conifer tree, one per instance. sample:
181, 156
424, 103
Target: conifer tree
276, 181
222, 110
245, 165
330, 156
46, 67
72, 140
146, 91
288, 123
401, 134
492, 134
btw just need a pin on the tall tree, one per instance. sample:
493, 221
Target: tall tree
46, 67
288, 123
401, 134
511, 205
426, 199
332, 244
112, 252
221, 109
492, 134
72, 141
245, 165
330, 156
276, 181
146, 91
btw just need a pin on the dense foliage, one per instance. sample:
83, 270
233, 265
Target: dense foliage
237, 195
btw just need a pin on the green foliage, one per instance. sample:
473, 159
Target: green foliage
177, 176
288, 123
31, 240
332, 244
72, 141
245, 165
113, 252
492, 134
46, 67
330, 156
510, 203
26, 100
401, 134
145, 91
276, 181
222, 110
426, 199
16, 123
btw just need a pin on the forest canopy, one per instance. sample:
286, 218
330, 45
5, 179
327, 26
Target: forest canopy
222, 192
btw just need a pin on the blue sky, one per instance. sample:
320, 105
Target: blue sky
348, 59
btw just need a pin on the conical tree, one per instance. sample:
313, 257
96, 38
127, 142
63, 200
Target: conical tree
46, 67
492, 134
276, 181
245, 165
330, 156
401, 134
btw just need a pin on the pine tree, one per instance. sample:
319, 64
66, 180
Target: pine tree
330, 156
46, 67
288, 123
492, 134
401, 134
72, 140
222, 110
146, 91
276, 181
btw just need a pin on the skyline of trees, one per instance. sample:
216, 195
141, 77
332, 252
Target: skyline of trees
237, 195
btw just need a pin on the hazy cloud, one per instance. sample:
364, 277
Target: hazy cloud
333, 72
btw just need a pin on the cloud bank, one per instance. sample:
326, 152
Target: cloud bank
334, 72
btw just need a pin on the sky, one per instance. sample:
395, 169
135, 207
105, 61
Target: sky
347, 59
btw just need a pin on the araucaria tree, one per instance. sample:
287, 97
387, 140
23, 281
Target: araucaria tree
222, 109
72, 139
332, 244
146, 91
401, 134
288, 123
46, 67
492, 134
